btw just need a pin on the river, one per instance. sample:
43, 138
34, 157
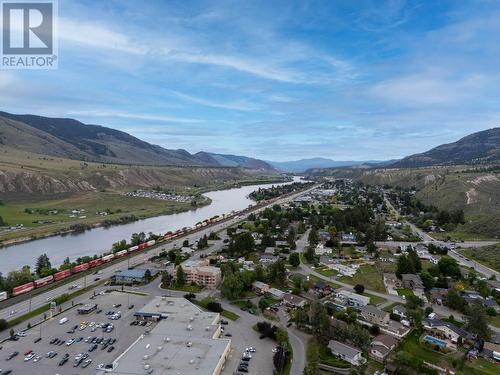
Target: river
100, 240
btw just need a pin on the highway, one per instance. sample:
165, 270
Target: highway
23, 307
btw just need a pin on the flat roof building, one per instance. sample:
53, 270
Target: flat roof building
185, 341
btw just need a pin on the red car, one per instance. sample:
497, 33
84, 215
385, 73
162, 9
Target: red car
28, 352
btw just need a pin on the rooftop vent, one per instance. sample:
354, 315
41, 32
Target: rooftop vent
191, 361
189, 344
166, 339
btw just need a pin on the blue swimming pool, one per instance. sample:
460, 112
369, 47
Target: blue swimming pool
435, 341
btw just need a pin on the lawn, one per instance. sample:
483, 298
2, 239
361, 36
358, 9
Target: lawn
375, 300
487, 255
313, 279
325, 271
368, 276
192, 288
405, 292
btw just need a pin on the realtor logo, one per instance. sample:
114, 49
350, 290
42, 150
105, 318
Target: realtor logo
28, 35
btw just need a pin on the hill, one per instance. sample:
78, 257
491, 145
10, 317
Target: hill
302, 165
478, 148
226, 160
71, 139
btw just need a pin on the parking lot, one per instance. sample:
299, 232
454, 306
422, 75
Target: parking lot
122, 332
243, 336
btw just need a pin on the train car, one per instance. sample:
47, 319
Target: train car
133, 248
120, 254
23, 288
62, 275
3, 296
150, 243
108, 258
81, 267
95, 262
142, 246
44, 281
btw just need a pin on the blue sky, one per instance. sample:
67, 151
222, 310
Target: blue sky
277, 80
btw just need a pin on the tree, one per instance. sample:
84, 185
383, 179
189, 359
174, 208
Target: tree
185, 243
11, 332
359, 288
309, 254
313, 237
3, 324
180, 277
427, 280
477, 322
42, 263
318, 318
294, 259
147, 275
232, 286
2, 222
277, 272
166, 279
449, 267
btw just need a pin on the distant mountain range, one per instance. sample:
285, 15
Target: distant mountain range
478, 148
69, 138
302, 165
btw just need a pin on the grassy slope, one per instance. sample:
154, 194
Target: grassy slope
487, 255
477, 193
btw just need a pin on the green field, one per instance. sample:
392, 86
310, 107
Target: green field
117, 206
368, 276
487, 255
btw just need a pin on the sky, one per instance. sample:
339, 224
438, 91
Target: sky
276, 80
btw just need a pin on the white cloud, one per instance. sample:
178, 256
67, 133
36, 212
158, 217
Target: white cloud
232, 105
136, 116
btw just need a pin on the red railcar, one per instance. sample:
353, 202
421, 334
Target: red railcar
44, 281
23, 288
81, 267
95, 262
142, 246
62, 275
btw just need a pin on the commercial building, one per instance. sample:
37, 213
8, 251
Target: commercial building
184, 341
201, 273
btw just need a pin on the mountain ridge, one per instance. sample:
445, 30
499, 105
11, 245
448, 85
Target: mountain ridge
70, 138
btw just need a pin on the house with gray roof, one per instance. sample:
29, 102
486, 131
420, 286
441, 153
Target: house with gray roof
346, 353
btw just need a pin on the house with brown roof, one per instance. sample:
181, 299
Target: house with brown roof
291, 300
381, 347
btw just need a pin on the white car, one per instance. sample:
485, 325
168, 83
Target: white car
37, 358
21, 334
29, 357
70, 342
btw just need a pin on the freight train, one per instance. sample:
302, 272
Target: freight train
18, 290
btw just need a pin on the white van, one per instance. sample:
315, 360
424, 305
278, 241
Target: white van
63, 320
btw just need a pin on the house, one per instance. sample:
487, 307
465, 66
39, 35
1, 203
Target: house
276, 293
269, 250
346, 353
268, 259
375, 316
343, 270
259, 287
445, 330
326, 260
337, 323
348, 298
395, 329
437, 295
291, 300
348, 237
412, 281
400, 311
324, 236
381, 346
392, 283
491, 351
321, 249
